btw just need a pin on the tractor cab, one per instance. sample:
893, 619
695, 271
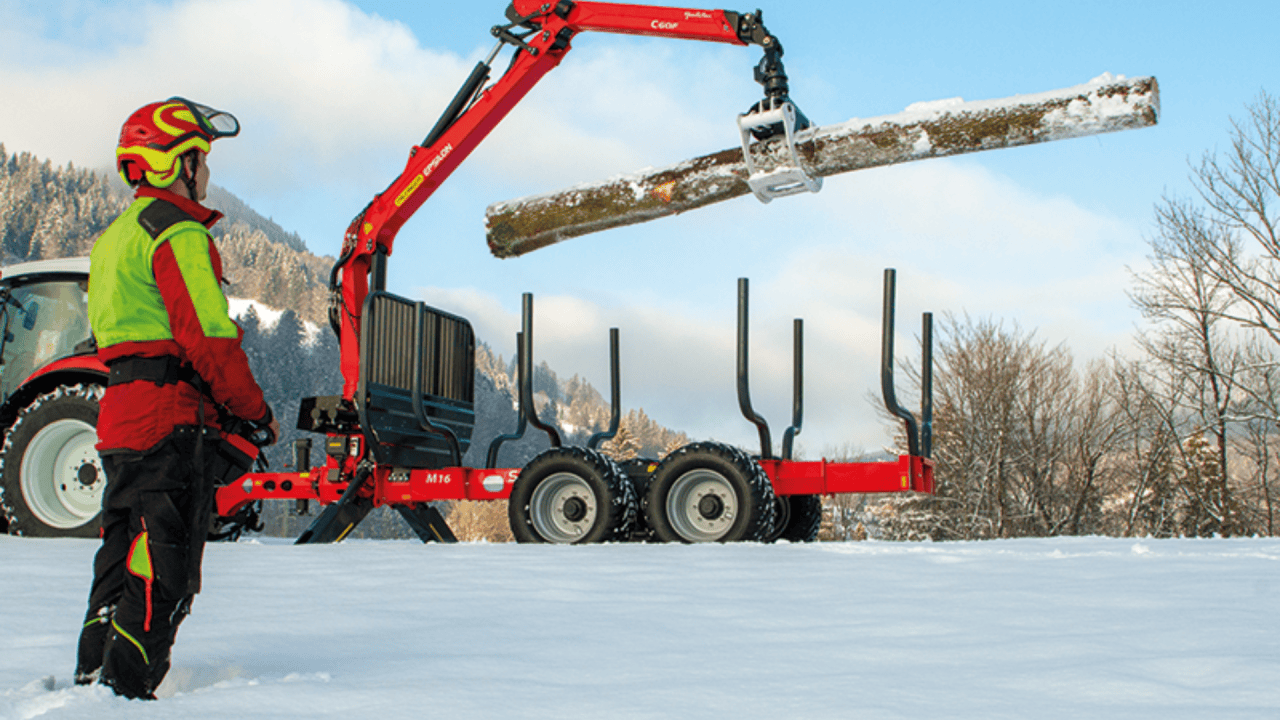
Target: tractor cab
51, 479
43, 317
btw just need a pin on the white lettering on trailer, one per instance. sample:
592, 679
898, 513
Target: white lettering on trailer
434, 479
660, 25
435, 162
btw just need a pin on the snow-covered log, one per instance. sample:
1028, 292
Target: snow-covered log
924, 130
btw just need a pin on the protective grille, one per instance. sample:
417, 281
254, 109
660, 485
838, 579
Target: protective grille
400, 336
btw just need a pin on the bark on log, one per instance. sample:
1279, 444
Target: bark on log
926, 130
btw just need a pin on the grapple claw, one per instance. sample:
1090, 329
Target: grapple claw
788, 178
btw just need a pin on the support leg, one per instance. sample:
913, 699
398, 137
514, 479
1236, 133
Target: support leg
428, 523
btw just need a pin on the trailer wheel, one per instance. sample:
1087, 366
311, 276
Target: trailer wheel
709, 492
571, 495
800, 518
50, 473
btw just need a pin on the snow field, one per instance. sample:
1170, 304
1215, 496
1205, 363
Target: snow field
1052, 628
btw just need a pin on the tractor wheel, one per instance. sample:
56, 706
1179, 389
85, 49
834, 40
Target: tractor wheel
571, 495
799, 518
50, 473
709, 492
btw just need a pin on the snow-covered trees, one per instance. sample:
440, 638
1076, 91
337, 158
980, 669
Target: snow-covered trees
52, 212
1212, 299
1021, 439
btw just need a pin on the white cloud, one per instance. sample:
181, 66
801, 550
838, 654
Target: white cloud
315, 83
329, 94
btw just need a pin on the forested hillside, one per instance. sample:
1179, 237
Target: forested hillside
52, 212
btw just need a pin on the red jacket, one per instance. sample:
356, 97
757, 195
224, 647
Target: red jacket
123, 294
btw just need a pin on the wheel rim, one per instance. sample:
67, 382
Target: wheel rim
702, 506
62, 478
563, 508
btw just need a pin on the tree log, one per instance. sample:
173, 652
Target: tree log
924, 130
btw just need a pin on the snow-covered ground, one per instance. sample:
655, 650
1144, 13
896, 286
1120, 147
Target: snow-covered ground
1057, 628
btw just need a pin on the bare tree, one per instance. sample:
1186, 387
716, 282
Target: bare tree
1095, 437
1211, 293
1144, 502
1194, 364
1021, 439
1235, 229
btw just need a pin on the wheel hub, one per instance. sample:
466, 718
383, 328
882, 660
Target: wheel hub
575, 508
710, 507
563, 508
87, 474
702, 506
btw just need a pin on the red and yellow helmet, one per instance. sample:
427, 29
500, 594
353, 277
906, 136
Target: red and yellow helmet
157, 135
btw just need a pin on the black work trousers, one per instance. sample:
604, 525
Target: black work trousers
154, 521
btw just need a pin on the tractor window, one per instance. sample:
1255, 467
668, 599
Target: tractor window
48, 320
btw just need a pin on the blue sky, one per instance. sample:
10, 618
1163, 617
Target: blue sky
332, 95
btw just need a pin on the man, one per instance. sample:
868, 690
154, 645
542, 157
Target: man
177, 375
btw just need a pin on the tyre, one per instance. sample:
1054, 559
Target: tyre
709, 492
571, 495
50, 473
799, 518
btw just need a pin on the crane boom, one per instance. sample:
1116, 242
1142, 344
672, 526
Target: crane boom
541, 35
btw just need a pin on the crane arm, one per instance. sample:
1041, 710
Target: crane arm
541, 33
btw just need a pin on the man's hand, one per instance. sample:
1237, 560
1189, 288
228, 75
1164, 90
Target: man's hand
274, 427
266, 430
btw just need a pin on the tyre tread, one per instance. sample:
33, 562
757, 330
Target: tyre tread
620, 495
12, 505
759, 489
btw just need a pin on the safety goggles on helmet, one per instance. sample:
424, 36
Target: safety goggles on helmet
215, 123
156, 136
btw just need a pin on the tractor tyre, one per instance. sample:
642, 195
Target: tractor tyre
709, 492
803, 518
51, 478
571, 495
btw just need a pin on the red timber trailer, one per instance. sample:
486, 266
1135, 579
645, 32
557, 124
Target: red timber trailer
401, 446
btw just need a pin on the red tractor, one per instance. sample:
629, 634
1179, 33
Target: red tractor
51, 479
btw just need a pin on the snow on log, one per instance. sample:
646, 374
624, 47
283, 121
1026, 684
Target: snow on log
924, 130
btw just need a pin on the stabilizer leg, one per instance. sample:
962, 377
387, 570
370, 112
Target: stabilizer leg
428, 523
336, 521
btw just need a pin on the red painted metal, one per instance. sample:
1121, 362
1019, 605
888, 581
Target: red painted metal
907, 474
77, 362
679, 23
389, 487
401, 487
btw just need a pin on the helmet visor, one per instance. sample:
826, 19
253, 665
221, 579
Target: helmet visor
216, 123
